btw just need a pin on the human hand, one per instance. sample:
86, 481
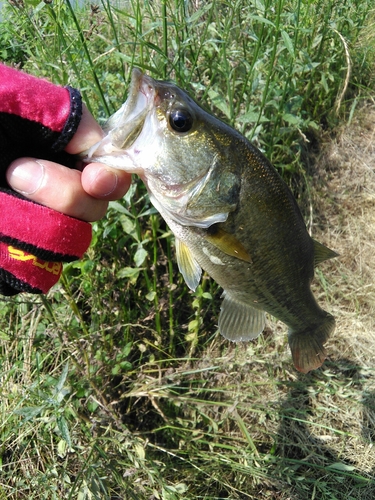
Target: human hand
80, 194
50, 226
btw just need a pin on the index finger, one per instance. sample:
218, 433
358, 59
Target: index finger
88, 133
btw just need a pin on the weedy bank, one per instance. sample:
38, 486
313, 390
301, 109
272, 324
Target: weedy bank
117, 385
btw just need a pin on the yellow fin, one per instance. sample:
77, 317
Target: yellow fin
188, 266
239, 321
228, 244
322, 253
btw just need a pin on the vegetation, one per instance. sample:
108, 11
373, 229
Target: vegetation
117, 385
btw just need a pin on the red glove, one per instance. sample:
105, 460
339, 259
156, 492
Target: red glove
37, 119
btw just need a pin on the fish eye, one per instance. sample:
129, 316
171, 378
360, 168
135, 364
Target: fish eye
180, 120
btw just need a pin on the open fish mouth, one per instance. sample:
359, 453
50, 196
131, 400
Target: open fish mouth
123, 128
133, 113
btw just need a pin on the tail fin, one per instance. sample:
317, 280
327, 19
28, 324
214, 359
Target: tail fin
307, 346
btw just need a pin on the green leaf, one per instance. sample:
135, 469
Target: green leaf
126, 366
219, 101
92, 405
199, 13
263, 20
151, 295
339, 466
128, 272
126, 350
193, 325
288, 42
115, 370
62, 379
131, 273
140, 256
140, 451
148, 211
291, 119
324, 83
4, 336
29, 412
128, 226
251, 117
108, 229
115, 205
62, 448
181, 488
64, 430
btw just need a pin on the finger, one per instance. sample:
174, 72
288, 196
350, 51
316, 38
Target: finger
56, 187
88, 133
105, 183
98, 180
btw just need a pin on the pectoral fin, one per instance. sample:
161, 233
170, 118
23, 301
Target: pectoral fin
322, 253
188, 266
239, 321
228, 244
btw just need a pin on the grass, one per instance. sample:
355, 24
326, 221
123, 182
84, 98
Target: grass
116, 385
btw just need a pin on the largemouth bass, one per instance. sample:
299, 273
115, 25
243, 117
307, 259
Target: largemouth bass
231, 213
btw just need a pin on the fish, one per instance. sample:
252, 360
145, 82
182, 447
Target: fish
230, 211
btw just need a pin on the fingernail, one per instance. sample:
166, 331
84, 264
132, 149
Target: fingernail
27, 177
107, 180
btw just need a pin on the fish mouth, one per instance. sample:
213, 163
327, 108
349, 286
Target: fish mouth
123, 128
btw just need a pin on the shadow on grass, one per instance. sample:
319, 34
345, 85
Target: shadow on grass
319, 457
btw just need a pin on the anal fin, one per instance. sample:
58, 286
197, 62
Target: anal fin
188, 266
239, 321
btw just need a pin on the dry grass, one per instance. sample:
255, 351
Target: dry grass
345, 201
344, 220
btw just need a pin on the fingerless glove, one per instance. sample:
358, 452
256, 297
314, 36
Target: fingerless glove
37, 119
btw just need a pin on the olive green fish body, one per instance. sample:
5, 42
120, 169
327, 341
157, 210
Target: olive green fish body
230, 211
279, 268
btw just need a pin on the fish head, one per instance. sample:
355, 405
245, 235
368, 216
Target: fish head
178, 149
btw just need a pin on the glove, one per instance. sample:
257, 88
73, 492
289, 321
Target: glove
34, 241
37, 119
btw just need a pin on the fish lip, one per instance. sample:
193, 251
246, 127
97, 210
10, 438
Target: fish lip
124, 127
141, 83
140, 98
